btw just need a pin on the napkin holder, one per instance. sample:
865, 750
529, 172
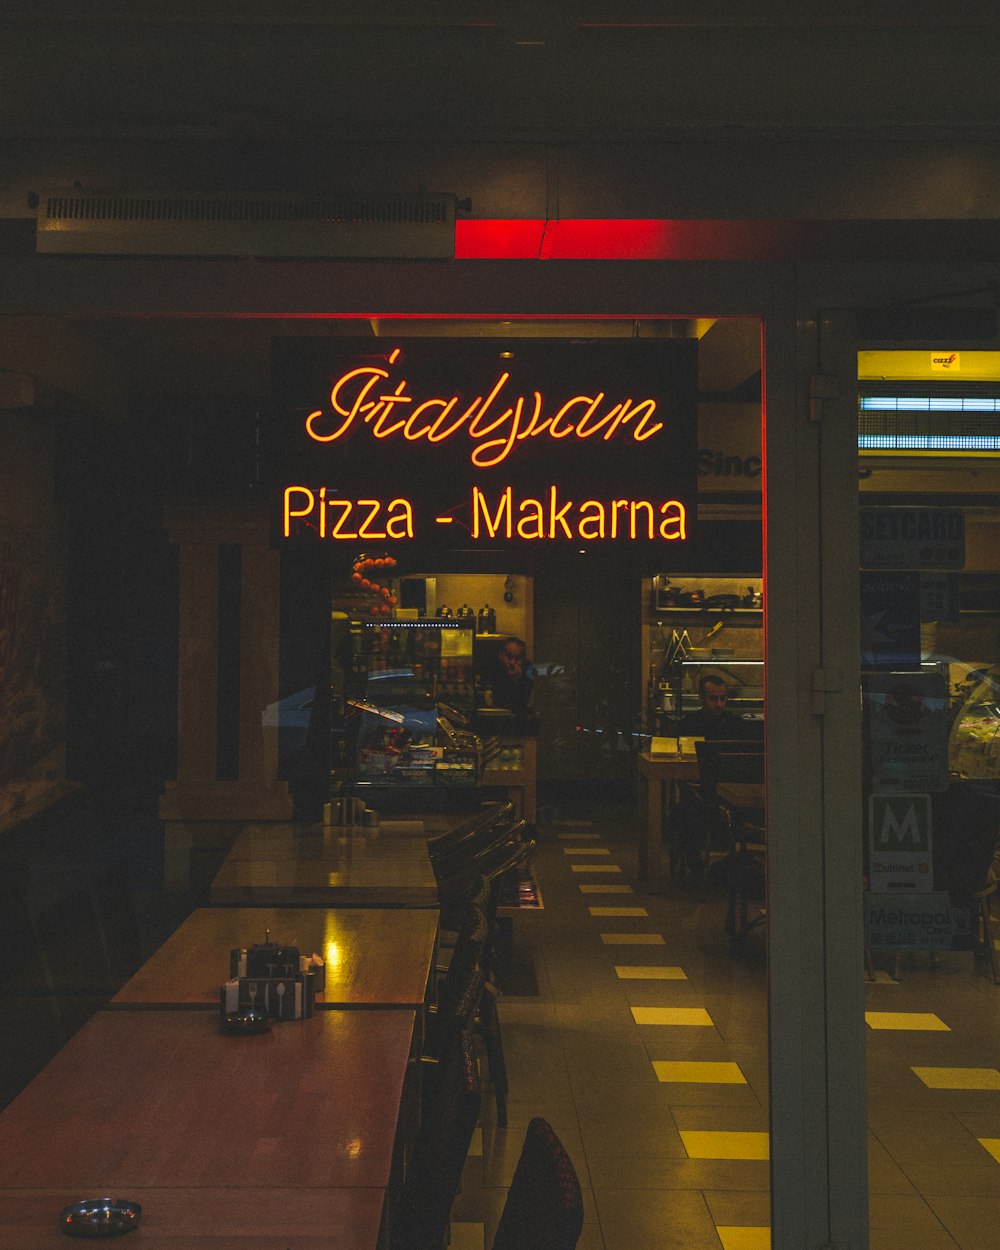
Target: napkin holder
279, 998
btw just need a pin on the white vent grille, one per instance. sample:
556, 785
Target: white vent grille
123, 223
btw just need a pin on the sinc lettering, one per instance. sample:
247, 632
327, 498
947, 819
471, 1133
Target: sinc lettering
495, 421
347, 518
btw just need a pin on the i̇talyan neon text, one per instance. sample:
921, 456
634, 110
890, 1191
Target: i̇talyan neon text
494, 421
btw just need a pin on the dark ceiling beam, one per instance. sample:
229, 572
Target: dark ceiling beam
554, 14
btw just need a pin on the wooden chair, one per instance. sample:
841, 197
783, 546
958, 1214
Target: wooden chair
475, 947
434, 1174
495, 814
712, 833
984, 920
544, 1207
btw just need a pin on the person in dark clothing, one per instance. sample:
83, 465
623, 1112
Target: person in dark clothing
512, 676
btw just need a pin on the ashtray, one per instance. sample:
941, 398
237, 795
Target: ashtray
100, 1217
245, 1023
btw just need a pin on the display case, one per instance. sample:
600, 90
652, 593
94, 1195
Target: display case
408, 702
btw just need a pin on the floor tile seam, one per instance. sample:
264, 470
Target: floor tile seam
901, 1164
574, 1095
586, 917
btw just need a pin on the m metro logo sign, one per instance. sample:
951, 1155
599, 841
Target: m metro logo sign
899, 840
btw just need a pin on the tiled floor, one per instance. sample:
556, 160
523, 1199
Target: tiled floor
662, 1106
646, 1047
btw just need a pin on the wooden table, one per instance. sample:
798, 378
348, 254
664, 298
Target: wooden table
207, 1218
293, 1131
653, 814
312, 866
375, 957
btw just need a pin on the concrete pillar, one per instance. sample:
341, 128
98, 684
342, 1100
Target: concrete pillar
198, 793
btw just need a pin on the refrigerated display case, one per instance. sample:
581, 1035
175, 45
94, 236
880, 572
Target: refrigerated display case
408, 703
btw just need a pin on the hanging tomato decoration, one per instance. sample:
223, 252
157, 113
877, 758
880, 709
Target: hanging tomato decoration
382, 598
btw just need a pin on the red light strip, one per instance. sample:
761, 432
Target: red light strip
627, 239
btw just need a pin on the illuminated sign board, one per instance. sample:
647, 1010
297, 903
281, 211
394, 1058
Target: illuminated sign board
470, 442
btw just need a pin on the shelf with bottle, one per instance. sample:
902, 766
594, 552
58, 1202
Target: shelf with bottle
736, 597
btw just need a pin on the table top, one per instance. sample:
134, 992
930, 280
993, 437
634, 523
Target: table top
667, 767
141, 1100
290, 865
189, 1219
747, 795
375, 957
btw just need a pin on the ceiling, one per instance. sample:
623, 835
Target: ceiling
599, 108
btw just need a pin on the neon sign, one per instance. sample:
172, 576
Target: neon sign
502, 515
455, 442
357, 397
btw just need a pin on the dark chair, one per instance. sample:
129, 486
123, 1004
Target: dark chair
707, 827
492, 816
433, 1177
475, 950
544, 1207
464, 863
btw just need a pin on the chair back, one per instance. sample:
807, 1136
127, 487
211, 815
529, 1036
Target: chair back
544, 1207
724, 760
420, 1221
495, 814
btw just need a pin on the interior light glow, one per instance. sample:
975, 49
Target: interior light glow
929, 442
439, 623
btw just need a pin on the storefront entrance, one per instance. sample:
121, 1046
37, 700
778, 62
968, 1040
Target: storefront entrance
231, 577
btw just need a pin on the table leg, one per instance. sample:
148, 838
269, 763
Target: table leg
641, 817
653, 832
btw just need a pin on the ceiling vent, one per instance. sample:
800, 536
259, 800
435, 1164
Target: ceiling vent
160, 224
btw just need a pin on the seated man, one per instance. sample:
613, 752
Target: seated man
713, 720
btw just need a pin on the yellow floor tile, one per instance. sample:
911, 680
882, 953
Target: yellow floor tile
715, 1145
881, 977
992, 1144
696, 1016
612, 887
595, 868
586, 850
618, 911
698, 1073
959, 1078
652, 972
466, 1236
922, 1020
735, 1238
633, 939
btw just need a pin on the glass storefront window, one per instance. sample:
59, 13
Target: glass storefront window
930, 626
